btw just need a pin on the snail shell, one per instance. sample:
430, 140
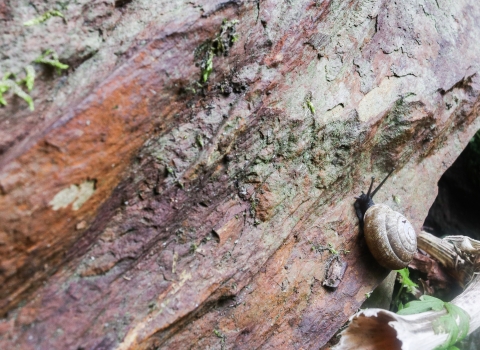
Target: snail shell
390, 236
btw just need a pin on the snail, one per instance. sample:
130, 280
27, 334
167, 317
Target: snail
389, 235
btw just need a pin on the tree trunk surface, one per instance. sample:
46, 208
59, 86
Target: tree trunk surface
150, 203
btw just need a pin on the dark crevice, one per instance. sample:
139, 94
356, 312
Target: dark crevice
457, 206
73, 63
122, 3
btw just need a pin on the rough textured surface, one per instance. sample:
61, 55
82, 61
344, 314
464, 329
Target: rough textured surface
142, 208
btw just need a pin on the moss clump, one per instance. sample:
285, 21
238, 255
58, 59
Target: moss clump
220, 45
7, 84
44, 18
50, 57
310, 106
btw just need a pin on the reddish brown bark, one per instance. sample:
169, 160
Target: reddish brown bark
207, 199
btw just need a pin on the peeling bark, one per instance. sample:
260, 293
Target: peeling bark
141, 210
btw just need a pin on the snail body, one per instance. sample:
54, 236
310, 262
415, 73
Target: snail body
389, 235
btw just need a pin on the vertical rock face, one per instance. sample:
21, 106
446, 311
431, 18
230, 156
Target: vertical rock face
168, 190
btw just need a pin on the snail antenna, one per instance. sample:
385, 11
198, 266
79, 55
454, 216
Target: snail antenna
370, 188
381, 183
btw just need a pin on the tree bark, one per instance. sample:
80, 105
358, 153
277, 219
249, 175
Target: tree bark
144, 206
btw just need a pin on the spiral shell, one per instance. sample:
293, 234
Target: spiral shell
390, 236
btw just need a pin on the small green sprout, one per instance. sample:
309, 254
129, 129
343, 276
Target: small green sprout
308, 102
331, 249
199, 140
8, 84
406, 286
222, 336
3, 89
219, 45
406, 281
207, 70
193, 248
43, 18
50, 57
310, 106
396, 199
218, 333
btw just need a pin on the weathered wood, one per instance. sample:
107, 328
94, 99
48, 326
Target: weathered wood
458, 255
142, 210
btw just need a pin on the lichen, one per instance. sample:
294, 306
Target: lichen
76, 195
8, 83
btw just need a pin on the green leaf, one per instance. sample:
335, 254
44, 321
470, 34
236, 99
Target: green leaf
448, 324
406, 281
455, 323
43, 18
426, 303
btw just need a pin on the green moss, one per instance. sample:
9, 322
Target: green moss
43, 18
7, 84
50, 57
199, 140
208, 67
218, 334
320, 249
311, 107
220, 45
30, 77
193, 248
